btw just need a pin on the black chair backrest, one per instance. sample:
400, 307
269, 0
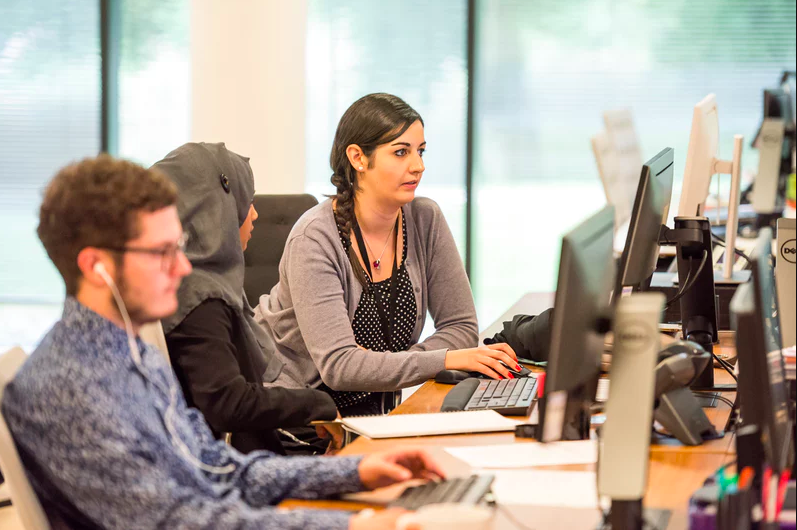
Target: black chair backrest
277, 215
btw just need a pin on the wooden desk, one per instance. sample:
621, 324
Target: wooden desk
675, 470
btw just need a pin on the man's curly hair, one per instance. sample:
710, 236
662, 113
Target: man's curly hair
96, 203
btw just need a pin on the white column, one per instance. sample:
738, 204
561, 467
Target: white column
248, 85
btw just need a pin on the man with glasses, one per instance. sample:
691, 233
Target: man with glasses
98, 417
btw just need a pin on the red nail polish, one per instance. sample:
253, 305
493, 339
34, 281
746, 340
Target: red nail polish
517, 367
511, 376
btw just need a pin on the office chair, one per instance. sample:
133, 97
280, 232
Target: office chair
29, 509
277, 215
152, 334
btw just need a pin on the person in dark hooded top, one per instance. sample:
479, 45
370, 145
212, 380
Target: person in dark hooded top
220, 355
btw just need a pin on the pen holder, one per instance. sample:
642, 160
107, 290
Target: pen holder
750, 453
735, 511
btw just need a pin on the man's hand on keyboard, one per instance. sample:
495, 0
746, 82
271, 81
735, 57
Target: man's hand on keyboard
383, 469
384, 520
484, 359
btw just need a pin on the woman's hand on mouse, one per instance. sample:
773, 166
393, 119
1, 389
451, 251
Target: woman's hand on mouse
485, 359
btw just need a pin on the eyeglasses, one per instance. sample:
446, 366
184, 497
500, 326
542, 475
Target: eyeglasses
167, 253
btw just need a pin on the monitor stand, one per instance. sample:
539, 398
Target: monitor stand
680, 413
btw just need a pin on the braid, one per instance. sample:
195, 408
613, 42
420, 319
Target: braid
344, 218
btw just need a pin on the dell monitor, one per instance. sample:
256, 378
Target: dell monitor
583, 291
702, 162
703, 146
651, 207
763, 394
624, 143
615, 186
775, 142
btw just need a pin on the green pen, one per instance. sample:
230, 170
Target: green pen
724, 482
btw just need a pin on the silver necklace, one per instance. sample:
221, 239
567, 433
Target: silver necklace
377, 263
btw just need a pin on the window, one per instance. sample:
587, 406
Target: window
546, 71
49, 116
50, 82
154, 79
415, 50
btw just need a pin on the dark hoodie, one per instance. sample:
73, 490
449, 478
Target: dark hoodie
220, 354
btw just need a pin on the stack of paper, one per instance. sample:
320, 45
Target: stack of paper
403, 425
513, 456
518, 483
537, 487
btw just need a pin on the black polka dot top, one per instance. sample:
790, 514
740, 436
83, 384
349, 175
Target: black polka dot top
369, 333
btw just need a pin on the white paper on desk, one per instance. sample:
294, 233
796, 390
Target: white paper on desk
532, 454
404, 425
539, 487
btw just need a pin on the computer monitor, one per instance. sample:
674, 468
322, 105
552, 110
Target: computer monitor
615, 185
777, 104
624, 142
703, 146
582, 303
651, 207
786, 279
774, 141
702, 163
766, 187
763, 394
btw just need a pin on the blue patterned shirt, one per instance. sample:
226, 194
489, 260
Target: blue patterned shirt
91, 432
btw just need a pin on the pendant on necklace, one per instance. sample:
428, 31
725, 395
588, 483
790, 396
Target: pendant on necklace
376, 264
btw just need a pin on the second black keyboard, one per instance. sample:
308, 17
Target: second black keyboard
465, 490
511, 397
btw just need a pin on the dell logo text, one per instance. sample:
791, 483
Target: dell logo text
788, 252
633, 336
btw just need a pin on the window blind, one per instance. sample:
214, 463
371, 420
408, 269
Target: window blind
49, 116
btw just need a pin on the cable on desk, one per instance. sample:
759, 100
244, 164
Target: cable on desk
689, 284
721, 242
715, 396
726, 365
682, 289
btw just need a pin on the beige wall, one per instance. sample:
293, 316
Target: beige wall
247, 84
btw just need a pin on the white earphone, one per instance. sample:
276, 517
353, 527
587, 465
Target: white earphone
99, 268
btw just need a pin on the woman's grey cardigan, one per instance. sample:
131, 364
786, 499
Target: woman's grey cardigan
310, 311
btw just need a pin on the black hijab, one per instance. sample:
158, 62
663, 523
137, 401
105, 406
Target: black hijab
215, 190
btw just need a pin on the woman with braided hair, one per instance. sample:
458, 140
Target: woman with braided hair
361, 270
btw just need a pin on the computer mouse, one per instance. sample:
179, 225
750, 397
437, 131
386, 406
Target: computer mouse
452, 377
523, 372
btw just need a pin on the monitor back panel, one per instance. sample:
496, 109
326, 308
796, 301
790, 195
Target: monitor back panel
785, 271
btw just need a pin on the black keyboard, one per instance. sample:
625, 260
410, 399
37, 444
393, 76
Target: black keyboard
511, 397
466, 490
